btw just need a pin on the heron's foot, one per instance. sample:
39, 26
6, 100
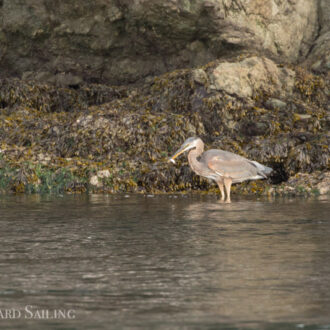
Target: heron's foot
228, 201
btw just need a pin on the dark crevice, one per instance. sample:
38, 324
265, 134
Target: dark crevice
74, 86
318, 33
3, 104
279, 173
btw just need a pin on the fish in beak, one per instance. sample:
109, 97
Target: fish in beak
180, 151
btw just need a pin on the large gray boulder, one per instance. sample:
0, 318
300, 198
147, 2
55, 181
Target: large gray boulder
122, 41
245, 78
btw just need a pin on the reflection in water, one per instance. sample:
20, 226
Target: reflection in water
270, 250
166, 262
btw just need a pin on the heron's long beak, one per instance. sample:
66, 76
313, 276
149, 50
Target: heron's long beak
178, 153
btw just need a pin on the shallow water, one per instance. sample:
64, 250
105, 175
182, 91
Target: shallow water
164, 262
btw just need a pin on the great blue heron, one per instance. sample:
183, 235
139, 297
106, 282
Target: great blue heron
223, 167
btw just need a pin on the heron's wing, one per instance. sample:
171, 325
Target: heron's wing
225, 163
237, 169
221, 155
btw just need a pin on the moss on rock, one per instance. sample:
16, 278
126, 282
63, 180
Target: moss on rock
56, 139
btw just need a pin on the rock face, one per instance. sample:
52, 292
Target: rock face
319, 57
122, 41
245, 78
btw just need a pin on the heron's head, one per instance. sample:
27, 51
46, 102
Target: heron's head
190, 143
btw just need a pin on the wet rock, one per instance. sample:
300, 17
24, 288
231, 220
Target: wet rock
303, 184
323, 186
55, 130
275, 104
103, 174
84, 120
200, 76
299, 116
251, 128
94, 181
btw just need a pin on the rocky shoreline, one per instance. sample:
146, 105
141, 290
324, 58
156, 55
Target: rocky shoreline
98, 138
94, 98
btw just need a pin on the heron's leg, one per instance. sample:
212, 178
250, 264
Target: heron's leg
221, 187
227, 182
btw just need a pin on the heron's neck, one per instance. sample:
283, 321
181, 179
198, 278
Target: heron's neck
194, 163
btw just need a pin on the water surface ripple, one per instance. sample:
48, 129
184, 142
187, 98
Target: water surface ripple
168, 262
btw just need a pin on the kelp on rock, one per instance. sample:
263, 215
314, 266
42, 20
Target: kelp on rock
56, 139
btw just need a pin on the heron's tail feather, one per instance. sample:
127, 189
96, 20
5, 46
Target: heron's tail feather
263, 170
